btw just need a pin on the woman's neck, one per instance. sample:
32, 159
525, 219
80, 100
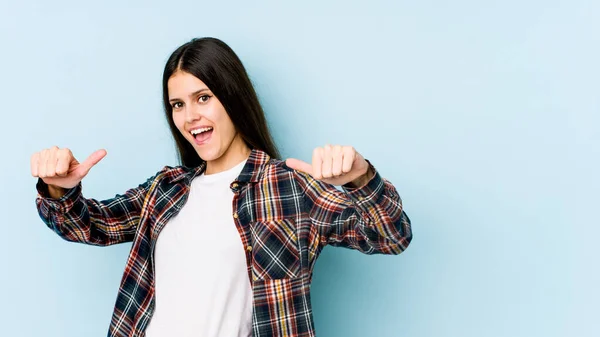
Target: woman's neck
237, 152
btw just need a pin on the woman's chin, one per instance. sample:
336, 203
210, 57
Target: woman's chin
207, 154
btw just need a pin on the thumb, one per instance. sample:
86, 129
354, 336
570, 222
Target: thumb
92, 160
299, 165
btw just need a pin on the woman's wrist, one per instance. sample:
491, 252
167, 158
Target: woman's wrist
56, 192
362, 180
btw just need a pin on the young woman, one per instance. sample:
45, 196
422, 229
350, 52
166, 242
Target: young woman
225, 244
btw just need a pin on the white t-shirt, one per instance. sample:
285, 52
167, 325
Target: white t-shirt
202, 286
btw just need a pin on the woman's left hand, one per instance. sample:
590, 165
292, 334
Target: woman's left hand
336, 165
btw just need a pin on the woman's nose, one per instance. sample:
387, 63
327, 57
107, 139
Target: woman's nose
192, 114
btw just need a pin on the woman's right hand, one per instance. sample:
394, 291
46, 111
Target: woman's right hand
59, 169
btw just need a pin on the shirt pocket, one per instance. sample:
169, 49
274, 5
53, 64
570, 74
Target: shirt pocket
275, 252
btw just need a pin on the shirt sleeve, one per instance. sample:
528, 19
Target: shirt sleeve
369, 218
78, 219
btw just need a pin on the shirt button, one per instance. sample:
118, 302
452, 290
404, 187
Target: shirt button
235, 215
249, 248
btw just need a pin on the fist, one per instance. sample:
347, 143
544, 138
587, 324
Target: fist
59, 168
334, 164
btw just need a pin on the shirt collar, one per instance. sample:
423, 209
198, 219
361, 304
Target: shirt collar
251, 172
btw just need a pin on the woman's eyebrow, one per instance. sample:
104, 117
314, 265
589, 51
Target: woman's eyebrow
190, 95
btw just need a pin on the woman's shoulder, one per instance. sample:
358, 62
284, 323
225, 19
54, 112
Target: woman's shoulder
173, 174
277, 168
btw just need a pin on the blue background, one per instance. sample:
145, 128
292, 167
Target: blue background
484, 114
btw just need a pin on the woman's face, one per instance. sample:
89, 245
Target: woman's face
203, 121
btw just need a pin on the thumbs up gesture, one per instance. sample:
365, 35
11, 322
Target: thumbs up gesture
59, 169
336, 165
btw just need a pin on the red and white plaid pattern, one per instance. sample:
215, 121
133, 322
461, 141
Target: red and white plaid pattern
284, 218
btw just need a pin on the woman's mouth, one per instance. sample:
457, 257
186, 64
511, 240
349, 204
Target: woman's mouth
202, 135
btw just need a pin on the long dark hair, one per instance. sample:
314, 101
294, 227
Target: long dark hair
215, 63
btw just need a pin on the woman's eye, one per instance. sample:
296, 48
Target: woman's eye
203, 98
177, 105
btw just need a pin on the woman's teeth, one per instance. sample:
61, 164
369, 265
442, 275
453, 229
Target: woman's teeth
199, 131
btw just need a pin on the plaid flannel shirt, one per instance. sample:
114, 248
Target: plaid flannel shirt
284, 218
